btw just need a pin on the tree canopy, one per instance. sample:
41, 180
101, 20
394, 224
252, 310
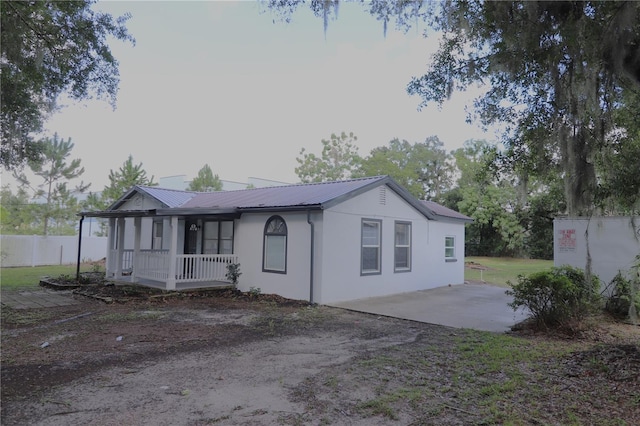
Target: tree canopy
559, 74
49, 48
56, 173
339, 160
424, 168
205, 181
123, 179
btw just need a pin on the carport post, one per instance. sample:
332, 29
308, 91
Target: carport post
79, 249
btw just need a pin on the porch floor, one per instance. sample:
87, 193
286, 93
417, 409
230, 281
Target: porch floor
179, 286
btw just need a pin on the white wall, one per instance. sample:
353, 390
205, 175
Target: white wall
295, 284
614, 242
341, 250
144, 202
36, 250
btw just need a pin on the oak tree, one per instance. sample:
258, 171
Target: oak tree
49, 48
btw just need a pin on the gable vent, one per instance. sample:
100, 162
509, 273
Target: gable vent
383, 195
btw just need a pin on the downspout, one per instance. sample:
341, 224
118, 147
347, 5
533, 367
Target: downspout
79, 249
311, 259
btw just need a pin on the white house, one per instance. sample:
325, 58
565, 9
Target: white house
322, 242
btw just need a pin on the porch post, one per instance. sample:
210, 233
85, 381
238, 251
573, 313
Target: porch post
120, 243
173, 251
110, 246
136, 246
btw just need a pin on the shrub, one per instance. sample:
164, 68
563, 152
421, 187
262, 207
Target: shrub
622, 292
233, 273
556, 296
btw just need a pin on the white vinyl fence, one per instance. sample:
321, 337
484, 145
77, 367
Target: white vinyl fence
37, 250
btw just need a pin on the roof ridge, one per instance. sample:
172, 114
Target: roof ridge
184, 191
378, 177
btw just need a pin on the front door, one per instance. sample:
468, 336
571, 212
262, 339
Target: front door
191, 237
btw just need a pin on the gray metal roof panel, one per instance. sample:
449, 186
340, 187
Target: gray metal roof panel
169, 197
441, 210
301, 195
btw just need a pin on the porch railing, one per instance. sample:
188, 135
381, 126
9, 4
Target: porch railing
154, 265
203, 267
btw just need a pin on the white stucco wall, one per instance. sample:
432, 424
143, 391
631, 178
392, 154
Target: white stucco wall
144, 202
337, 249
341, 250
295, 283
614, 242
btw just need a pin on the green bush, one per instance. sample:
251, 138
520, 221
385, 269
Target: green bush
233, 273
556, 296
620, 296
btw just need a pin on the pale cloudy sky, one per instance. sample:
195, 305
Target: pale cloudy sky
220, 83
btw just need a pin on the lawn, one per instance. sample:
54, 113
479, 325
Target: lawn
499, 270
28, 277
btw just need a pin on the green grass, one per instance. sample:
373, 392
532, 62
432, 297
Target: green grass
499, 270
23, 278
482, 374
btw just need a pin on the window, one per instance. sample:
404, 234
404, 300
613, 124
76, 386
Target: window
370, 255
402, 246
217, 237
156, 242
275, 246
450, 248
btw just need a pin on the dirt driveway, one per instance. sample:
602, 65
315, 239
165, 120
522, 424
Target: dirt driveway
195, 360
201, 359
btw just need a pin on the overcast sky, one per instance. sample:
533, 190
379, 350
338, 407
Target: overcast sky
220, 83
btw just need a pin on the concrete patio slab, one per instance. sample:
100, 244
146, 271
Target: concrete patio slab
474, 306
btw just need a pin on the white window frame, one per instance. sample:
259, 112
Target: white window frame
156, 234
450, 249
378, 246
268, 236
405, 246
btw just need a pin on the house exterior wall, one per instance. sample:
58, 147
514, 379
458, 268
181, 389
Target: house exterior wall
341, 277
144, 202
145, 237
249, 242
614, 242
337, 246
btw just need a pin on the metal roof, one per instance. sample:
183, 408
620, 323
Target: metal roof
289, 197
301, 195
440, 210
169, 197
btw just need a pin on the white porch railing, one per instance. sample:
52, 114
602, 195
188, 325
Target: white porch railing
190, 268
203, 267
152, 265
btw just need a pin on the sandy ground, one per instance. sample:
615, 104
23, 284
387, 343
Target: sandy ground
181, 366
232, 359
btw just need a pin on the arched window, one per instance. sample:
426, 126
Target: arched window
274, 258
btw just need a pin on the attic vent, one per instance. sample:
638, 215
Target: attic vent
383, 196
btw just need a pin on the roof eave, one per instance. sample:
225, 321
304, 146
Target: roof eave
274, 209
118, 213
454, 219
197, 211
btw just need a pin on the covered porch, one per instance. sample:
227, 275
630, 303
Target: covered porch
165, 265
153, 268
